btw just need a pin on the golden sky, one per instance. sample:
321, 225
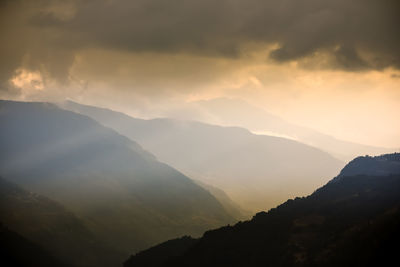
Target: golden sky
329, 65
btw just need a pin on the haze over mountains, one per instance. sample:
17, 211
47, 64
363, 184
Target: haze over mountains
77, 193
237, 112
203, 113
257, 171
122, 194
353, 221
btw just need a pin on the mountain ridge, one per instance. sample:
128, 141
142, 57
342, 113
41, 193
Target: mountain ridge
103, 177
256, 171
352, 222
239, 112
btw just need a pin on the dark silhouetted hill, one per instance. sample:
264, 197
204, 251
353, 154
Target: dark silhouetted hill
17, 251
163, 252
125, 197
351, 222
374, 166
51, 226
256, 171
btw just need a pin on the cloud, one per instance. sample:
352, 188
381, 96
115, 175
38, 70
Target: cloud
46, 35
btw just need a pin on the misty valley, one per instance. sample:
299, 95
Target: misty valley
199, 133
87, 186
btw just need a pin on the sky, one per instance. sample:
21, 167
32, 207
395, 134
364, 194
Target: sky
333, 66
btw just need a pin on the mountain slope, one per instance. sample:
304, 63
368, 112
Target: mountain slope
16, 250
50, 225
352, 222
256, 171
229, 205
377, 166
125, 196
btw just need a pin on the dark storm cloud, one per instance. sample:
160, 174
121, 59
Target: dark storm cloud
357, 34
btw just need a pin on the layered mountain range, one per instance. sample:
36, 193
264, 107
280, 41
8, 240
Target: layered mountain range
126, 198
256, 171
231, 111
353, 221
84, 186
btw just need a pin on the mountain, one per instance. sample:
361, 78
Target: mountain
226, 111
374, 166
256, 171
16, 250
51, 227
351, 222
229, 205
125, 197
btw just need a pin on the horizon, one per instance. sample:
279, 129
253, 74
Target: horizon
311, 71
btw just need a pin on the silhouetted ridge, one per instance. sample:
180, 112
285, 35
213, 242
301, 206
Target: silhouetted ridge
164, 252
17, 251
352, 222
377, 166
